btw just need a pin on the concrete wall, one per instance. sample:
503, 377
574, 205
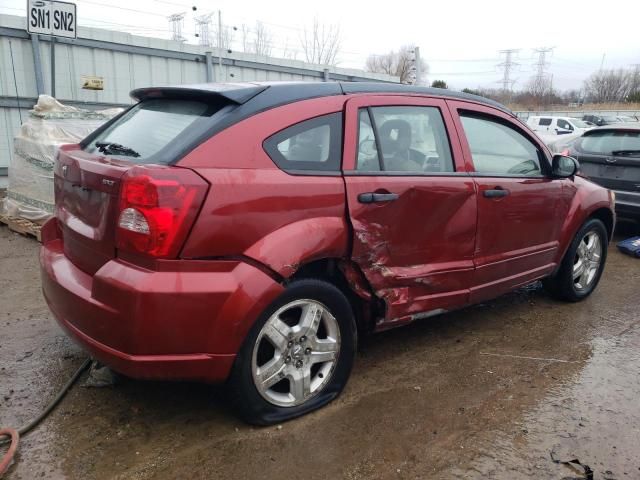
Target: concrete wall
126, 62
578, 113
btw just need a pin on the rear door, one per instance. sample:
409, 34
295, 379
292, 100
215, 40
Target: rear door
411, 203
520, 207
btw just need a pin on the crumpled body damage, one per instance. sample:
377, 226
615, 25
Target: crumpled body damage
417, 252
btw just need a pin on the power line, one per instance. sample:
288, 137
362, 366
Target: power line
124, 8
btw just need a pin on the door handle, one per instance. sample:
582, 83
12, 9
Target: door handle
372, 197
497, 192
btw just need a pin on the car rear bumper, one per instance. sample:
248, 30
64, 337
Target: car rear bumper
186, 322
628, 204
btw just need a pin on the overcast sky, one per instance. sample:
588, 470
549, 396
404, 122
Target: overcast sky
460, 40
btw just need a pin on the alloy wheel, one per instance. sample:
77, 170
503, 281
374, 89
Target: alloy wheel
587, 261
295, 353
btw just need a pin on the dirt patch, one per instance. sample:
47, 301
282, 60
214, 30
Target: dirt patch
487, 392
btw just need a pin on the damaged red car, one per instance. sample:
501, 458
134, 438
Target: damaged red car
248, 233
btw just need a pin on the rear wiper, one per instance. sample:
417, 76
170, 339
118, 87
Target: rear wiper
117, 149
625, 152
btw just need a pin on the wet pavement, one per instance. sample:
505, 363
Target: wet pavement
495, 391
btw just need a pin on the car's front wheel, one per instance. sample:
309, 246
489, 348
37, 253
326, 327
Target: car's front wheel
297, 357
582, 265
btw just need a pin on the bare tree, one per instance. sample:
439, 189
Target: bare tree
634, 83
262, 40
257, 40
400, 64
245, 33
608, 86
573, 96
223, 38
289, 52
321, 44
539, 89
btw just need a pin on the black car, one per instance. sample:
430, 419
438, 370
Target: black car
610, 156
601, 120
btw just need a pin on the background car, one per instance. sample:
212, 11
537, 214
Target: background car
601, 120
610, 156
557, 125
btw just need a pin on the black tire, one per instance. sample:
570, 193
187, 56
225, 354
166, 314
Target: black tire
245, 397
562, 285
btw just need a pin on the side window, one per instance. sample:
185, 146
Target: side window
545, 122
367, 160
564, 124
314, 144
499, 149
411, 139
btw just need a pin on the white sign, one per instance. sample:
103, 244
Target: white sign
50, 17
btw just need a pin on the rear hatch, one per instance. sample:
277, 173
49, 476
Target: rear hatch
86, 191
149, 137
610, 157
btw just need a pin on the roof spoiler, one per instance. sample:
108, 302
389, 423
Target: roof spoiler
238, 93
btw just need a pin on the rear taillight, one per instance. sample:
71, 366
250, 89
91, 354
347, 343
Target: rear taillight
566, 152
157, 208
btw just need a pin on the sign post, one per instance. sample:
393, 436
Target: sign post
54, 18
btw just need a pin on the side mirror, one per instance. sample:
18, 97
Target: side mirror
563, 166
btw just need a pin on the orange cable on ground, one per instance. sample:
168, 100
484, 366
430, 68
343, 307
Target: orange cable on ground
14, 435
15, 439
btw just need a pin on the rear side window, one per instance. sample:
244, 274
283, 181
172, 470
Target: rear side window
545, 122
367, 150
312, 145
607, 142
498, 149
403, 139
141, 134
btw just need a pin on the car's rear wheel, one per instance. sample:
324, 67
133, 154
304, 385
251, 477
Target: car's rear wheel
582, 265
297, 357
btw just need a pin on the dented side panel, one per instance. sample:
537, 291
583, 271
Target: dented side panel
417, 251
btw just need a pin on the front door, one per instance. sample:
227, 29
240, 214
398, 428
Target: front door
520, 207
411, 204
563, 127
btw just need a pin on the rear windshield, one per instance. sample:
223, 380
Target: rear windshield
607, 142
141, 134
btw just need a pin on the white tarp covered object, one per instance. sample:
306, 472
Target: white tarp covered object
50, 124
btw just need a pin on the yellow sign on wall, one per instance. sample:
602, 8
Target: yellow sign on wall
90, 82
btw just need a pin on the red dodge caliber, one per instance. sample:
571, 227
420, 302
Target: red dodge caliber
247, 232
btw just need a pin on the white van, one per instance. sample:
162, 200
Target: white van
557, 125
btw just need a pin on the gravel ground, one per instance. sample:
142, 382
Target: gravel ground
493, 391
